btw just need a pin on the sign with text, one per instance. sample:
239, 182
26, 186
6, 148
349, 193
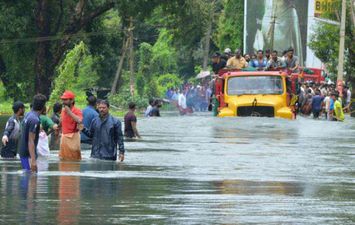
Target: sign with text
325, 6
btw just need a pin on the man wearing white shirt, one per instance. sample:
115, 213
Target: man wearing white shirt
182, 101
149, 108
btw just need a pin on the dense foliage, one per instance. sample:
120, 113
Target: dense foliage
325, 44
230, 25
76, 73
49, 46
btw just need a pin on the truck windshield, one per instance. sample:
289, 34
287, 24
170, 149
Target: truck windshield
249, 85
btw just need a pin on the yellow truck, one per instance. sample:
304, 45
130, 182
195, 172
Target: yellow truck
256, 93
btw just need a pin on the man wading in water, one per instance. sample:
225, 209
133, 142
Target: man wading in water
130, 122
71, 122
12, 131
30, 134
106, 134
89, 114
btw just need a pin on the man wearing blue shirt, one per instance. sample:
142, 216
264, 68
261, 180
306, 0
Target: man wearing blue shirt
260, 62
89, 113
317, 101
30, 134
331, 109
106, 134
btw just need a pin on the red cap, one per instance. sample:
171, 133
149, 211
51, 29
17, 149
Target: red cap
68, 95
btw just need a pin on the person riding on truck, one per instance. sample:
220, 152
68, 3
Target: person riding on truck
260, 62
237, 62
292, 63
227, 54
275, 63
217, 63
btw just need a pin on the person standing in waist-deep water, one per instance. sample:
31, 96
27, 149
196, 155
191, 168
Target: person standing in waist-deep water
149, 108
30, 134
130, 122
89, 114
106, 134
12, 131
338, 114
55, 136
47, 127
155, 112
71, 122
317, 101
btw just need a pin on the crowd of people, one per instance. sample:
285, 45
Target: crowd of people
34, 134
320, 100
323, 101
190, 98
153, 109
268, 60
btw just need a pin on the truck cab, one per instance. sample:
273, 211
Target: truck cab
256, 93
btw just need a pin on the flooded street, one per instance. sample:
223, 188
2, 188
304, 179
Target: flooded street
197, 170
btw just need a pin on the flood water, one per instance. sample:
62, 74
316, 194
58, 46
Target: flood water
197, 170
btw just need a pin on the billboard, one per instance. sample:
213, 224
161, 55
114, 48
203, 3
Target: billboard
276, 25
325, 6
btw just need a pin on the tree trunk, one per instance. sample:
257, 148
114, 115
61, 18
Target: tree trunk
3, 77
43, 70
119, 67
131, 57
207, 42
50, 53
352, 12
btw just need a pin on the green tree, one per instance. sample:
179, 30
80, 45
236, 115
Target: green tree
75, 73
144, 67
164, 58
325, 44
155, 62
36, 34
186, 21
168, 81
230, 25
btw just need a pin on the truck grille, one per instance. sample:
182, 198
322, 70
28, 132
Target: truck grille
258, 111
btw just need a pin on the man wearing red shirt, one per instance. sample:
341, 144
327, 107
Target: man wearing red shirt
71, 120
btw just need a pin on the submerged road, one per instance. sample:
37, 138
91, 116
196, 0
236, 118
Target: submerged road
197, 170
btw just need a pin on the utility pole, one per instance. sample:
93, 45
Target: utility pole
273, 24
131, 56
341, 49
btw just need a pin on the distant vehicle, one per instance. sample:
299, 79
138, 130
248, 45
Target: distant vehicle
256, 93
314, 75
317, 76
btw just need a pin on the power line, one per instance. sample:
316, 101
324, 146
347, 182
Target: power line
53, 38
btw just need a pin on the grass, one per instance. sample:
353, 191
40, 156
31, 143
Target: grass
6, 109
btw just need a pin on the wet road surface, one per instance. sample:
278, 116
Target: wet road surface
197, 170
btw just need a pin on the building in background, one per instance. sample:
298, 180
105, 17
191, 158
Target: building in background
281, 24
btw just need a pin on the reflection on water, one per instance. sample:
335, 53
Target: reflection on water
197, 170
242, 187
68, 194
28, 189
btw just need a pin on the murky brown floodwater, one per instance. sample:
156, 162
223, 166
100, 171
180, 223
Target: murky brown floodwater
197, 170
